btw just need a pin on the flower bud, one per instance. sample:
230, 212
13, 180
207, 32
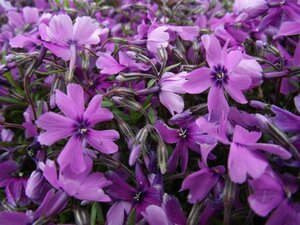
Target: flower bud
162, 54
258, 104
276, 134
35, 185
129, 104
194, 215
162, 156
81, 216
178, 54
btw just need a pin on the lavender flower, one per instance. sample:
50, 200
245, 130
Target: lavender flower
83, 185
221, 75
78, 124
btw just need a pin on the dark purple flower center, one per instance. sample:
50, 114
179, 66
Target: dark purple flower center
81, 128
72, 42
182, 132
219, 75
287, 192
138, 196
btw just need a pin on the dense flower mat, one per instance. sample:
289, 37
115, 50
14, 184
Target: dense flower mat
149, 112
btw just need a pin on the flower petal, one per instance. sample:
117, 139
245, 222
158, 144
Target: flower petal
90, 189
86, 31
103, 140
95, 114
57, 127
242, 161
170, 135
213, 50
108, 65
198, 81
173, 102
217, 104
72, 154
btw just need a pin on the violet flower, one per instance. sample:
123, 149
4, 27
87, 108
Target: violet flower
221, 75
252, 8
201, 182
77, 124
28, 16
243, 157
108, 64
270, 192
187, 136
170, 86
14, 185
158, 38
36, 187
52, 204
63, 38
147, 192
169, 213
83, 185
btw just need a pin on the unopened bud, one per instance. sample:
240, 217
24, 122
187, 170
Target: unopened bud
129, 104
229, 196
162, 54
142, 135
258, 105
178, 54
276, 134
119, 40
194, 215
162, 156
35, 185
81, 216
124, 128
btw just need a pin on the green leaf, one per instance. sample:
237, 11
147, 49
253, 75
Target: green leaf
151, 83
11, 100
66, 4
151, 116
106, 103
97, 214
131, 218
40, 108
147, 101
168, 68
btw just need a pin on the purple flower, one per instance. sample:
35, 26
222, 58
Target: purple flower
187, 136
170, 86
14, 185
14, 218
270, 192
279, 10
77, 124
243, 157
36, 187
29, 15
169, 213
289, 28
221, 75
62, 37
108, 64
30, 128
83, 185
52, 204
158, 38
201, 182
156, 215
252, 8
147, 192
286, 120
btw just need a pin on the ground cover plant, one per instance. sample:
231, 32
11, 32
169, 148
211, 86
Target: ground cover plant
155, 112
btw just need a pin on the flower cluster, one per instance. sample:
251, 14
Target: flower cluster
149, 112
